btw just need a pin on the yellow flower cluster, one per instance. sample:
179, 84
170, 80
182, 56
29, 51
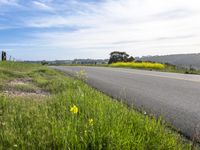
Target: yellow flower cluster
74, 109
91, 121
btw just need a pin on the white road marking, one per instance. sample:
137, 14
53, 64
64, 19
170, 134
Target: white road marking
148, 74
154, 75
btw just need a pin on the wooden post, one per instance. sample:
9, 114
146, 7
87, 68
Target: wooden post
3, 56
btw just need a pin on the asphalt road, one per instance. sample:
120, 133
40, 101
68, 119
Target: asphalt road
174, 96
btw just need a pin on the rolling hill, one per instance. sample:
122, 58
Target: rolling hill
179, 60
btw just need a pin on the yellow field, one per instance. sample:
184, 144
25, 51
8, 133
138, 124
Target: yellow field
142, 65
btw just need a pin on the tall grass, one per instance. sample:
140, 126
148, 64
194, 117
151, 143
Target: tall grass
142, 65
18, 66
78, 117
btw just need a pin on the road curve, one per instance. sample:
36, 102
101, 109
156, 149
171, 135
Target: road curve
174, 96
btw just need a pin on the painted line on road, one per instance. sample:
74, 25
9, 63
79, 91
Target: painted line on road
153, 75
147, 74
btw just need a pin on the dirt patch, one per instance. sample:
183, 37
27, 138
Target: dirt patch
21, 82
23, 88
25, 94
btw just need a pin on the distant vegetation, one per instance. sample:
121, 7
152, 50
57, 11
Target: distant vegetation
117, 56
122, 59
140, 65
181, 61
73, 62
187, 63
65, 113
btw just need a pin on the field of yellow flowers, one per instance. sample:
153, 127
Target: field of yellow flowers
140, 65
74, 116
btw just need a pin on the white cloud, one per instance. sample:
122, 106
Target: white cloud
42, 6
141, 27
8, 2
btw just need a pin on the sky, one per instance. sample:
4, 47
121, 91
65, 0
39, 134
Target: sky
68, 29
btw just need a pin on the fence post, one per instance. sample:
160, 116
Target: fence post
3, 56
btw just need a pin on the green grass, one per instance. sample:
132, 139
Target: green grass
173, 69
142, 65
26, 123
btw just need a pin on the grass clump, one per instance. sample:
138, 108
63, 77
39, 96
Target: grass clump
140, 65
77, 116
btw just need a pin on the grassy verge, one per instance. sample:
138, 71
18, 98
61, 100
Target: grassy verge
173, 69
74, 116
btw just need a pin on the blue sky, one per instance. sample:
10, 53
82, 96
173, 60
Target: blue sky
68, 29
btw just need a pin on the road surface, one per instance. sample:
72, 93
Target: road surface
174, 96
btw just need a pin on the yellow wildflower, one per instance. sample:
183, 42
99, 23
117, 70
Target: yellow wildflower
15, 145
91, 121
74, 109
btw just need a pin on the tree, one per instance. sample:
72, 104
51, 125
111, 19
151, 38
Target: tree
44, 62
131, 59
117, 56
